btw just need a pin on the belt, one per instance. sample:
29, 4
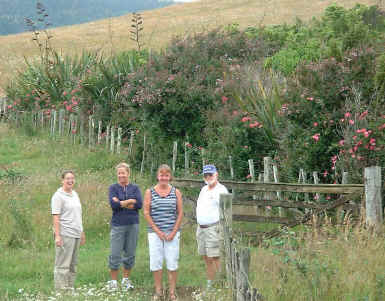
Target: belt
208, 225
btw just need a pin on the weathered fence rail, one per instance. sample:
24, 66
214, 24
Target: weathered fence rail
281, 187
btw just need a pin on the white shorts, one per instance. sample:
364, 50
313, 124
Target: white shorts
161, 250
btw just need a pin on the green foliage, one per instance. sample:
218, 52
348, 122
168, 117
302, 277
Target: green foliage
246, 93
21, 234
336, 32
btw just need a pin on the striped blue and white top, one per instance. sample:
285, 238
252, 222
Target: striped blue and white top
163, 210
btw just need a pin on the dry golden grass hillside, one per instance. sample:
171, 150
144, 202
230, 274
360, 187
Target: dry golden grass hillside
160, 25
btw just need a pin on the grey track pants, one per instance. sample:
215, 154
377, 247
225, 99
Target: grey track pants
123, 246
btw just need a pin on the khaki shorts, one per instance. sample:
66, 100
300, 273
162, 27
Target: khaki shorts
209, 241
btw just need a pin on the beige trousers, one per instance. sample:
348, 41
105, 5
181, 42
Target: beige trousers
65, 263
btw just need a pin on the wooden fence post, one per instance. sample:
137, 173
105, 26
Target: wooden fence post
99, 132
108, 133
252, 177
203, 157
112, 139
53, 122
186, 163
316, 181
267, 178
81, 130
143, 154
226, 221
279, 196
174, 155
242, 273
231, 167
119, 142
373, 198
91, 127
61, 121
339, 210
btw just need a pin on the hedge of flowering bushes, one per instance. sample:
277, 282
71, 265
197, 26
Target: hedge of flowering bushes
309, 94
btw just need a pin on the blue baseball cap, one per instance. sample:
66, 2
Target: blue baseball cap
209, 169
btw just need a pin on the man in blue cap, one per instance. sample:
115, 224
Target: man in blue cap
208, 232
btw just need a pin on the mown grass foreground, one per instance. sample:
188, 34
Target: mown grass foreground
329, 263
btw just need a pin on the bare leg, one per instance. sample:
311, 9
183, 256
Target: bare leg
126, 273
158, 282
212, 266
114, 274
172, 277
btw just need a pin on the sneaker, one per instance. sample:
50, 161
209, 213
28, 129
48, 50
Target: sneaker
127, 284
112, 285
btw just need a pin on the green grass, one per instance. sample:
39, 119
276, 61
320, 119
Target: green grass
330, 263
28, 263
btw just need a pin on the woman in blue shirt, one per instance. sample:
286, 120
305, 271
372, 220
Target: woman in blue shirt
125, 200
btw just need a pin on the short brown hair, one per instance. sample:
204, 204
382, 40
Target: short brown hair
124, 165
164, 168
65, 172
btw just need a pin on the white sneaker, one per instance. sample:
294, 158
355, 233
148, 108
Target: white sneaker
112, 285
127, 284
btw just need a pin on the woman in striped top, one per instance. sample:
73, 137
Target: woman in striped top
163, 210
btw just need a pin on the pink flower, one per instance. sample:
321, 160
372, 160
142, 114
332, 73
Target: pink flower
363, 114
248, 176
331, 121
328, 197
347, 115
64, 93
315, 124
351, 121
325, 173
224, 99
316, 137
309, 98
316, 197
372, 141
342, 120
381, 127
366, 134
246, 118
235, 113
341, 143
253, 125
245, 147
354, 137
361, 131
189, 145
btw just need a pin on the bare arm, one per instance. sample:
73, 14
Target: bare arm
179, 208
56, 227
147, 216
82, 239
129, 204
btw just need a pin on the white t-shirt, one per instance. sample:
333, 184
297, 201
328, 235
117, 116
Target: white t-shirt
68, 206
208, 204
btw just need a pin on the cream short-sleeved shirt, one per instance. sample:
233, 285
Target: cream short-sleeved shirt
69, 208
207, 210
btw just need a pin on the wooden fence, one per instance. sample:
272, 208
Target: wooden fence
237, 258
